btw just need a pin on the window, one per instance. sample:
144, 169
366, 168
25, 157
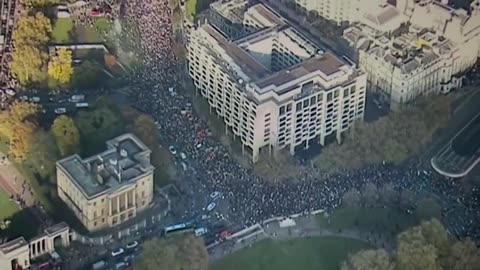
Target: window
299, 106
289, 107
94, 214
95, 224
329, 96
282, 110
352, 89
305, 103
345, 92
143, 193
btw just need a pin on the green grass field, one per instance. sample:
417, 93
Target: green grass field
64, 31
321, 253
7, 207
382, 220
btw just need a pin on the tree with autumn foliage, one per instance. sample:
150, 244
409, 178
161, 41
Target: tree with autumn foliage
110, 60
29, 59
66, 135
60, 66
18, 124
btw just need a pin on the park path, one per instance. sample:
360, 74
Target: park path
305, 227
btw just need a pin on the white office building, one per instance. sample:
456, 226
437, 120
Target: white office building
274, 88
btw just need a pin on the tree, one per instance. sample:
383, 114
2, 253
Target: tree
18, 112
97, 126
86, 75
463, 255
60, 66
66, 135
39, 3
352, 198
20, 140
43, 154
144, 128
177, 252
32, 31
422, 247
368, 260
29, 64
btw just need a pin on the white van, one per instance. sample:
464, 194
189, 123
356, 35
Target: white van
121, 265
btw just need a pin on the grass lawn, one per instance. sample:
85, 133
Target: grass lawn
321, 253
61, 31
386, 220
65, 31
7, 207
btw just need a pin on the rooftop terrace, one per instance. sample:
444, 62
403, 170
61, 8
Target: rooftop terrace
124, 161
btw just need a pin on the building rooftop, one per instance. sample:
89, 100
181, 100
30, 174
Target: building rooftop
125, 159
13, 245
231, 9
326, 63
268, 14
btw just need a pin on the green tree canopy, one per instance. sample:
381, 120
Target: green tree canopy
66, 135
86, 75
43, 154
177, 252
39, 3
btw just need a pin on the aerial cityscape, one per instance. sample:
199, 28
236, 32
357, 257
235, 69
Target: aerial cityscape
240, 135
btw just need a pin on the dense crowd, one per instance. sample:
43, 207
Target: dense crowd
7, 81
251, 199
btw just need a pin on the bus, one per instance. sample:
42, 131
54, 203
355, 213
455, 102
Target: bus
177, 228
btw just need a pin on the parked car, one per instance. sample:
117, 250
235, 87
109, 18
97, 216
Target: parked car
183, 156
61, 110
172, 150
117, 252
211, 206
82, 105
132, 245
214, 195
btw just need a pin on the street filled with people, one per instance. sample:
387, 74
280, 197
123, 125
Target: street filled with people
155, 90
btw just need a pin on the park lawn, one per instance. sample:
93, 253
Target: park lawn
61, 32
379, 219
93, 34
64, 28
7, 207
318, 253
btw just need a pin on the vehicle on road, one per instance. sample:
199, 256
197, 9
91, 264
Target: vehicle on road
82, 105
77, 98
61, 110
35, 99
121, 265
177, 228
211, 206
200, 231
214, 195
100, 265
132, 245
117, 252
24, 98
183, 156
184, 166
172, 150
10, 92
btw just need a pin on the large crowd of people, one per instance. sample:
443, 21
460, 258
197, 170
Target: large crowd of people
251, 200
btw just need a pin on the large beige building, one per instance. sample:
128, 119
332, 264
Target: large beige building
428, 58
378, 14
273, 87
109, 188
